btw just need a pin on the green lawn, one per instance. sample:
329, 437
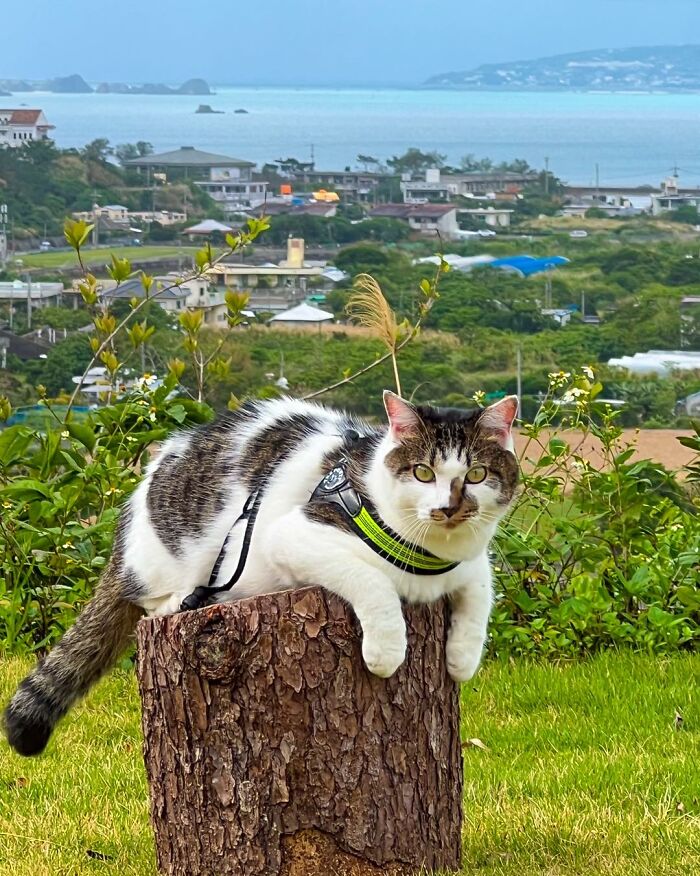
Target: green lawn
586, 772
67, 259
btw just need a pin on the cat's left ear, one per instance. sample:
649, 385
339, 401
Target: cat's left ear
498, 418
403, 417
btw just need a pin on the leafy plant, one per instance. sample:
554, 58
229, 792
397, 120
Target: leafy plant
597, 553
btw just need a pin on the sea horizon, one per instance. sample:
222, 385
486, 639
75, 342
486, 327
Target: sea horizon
634, 138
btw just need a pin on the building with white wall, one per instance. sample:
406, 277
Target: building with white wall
21, 126
228, 181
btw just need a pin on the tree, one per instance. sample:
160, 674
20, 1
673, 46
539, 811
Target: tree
367, 161
128, 151
684, 272
687, 214
98, 150
471, 164
292, 166
414, 161
314, 765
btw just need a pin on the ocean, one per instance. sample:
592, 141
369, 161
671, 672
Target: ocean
633, 138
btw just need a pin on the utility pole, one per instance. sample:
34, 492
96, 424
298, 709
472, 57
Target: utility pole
583, 303
597, 182
3, 235
546, 175
29, 300
519, 372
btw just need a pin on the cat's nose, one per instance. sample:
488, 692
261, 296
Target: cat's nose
440, 514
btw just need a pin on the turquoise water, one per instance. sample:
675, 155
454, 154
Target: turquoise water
634, 138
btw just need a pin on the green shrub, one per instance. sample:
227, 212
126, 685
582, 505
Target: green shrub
594, 556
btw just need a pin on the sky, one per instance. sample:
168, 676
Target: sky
318, 42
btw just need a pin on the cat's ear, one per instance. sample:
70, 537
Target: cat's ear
498, 418
404, 420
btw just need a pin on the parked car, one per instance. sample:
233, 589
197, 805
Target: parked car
45, 245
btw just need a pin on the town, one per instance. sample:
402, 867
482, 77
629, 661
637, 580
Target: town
539, 254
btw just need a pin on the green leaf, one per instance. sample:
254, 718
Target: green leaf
14, 442
27, 488
83, 434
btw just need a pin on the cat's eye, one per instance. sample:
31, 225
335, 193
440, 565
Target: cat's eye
476, 474
423, 473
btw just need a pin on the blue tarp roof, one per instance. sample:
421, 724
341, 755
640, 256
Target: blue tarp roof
526, 265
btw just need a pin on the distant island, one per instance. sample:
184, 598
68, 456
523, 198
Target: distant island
192, 86
650, 68
75, 84
206, 109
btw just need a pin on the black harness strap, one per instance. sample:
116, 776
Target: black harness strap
207, 595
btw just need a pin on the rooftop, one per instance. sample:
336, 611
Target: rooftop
134, 289
23, 116
188, 156
406, 211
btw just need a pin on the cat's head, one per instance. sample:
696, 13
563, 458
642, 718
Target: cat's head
451, 468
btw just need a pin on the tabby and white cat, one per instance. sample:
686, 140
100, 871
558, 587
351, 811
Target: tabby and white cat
434, 483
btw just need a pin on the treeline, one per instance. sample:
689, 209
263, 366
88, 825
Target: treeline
42, 184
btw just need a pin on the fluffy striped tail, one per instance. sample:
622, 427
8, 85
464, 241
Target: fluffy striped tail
90, 647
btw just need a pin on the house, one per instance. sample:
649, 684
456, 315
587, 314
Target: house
170, 299
579, 210
351, 185
425, 218
672, 197
228, 181
273, 287
444, 187
41, 295
431, 189
630, 197
491, 182
21, 126
491, 216
325, 210
117, 218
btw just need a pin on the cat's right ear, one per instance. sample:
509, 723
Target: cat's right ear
404, 421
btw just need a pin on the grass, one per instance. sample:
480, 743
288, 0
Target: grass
66, 258
586, 772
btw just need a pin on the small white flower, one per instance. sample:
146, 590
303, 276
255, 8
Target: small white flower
588, 372
65, 434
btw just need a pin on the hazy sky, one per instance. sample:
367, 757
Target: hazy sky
325, 42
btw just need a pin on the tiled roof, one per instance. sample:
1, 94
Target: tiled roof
23, 116
188, 156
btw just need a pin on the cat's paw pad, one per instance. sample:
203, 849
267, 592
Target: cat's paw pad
383, 655
462, 660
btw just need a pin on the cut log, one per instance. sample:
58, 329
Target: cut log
272, 751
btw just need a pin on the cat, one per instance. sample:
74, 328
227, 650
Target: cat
432, 484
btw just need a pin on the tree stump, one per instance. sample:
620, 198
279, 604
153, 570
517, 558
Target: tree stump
272, 751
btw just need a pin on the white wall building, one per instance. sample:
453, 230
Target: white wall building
21, 126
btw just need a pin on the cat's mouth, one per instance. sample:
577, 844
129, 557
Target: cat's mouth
452, 521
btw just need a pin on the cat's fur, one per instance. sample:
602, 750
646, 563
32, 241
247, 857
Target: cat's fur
173, 527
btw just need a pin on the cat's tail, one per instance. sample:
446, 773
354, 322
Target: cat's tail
90, 647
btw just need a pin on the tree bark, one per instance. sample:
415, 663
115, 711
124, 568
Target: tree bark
272, 751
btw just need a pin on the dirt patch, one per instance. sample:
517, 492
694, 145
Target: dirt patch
661, 445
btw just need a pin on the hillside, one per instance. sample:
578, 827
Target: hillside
651, 68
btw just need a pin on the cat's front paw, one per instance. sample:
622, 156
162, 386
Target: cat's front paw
384, 652
463, 659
